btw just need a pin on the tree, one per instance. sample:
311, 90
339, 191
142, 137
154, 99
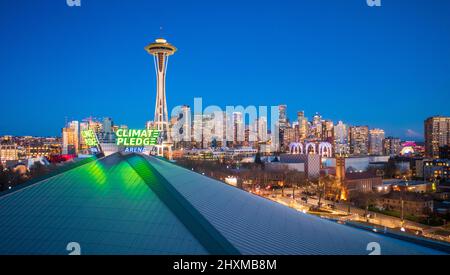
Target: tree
38, 170
4, 178
363, 199
391, 169
214, 143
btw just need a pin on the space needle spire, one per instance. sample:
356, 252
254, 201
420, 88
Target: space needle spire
161, 50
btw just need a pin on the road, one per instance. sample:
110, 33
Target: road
340, 211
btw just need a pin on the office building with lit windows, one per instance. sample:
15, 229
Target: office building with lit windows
341, 139
437, 169
71, 138
8, 151
376, 137
391, 146
437, 134
302, 125
359, 140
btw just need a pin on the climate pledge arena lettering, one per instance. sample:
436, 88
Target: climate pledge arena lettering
133, 137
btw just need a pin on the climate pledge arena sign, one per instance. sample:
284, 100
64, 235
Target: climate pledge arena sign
135, 140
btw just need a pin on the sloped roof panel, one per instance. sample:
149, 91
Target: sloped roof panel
103, 205
256, 225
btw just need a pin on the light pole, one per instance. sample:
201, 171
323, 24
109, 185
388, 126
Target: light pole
402, 205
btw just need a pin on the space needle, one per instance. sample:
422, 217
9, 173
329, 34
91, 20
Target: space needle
161, 50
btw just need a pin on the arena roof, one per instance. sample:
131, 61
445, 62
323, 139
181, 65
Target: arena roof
135, 204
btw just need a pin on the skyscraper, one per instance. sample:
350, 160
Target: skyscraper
185, 118
327, 131
437, 134
302, 125
71, 138
359, 140
282, 123
181, 127
238, 128
283, 119
208, 129
262, 129
391, 146
288, 137
316, 130
197, 134
107, 134
161, 50
341, 145
376, 141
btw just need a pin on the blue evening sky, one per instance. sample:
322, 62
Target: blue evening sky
386, 67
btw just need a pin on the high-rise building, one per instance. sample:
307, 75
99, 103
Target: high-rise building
238, 128
302, 125
391, 146
262, 129
184, 117
161, 50
316, 129
84, 125
283, 119
376, 141
283, 123
208, 130
444, 152
197, 133
327, 131
251, 134
71, 138
275, 137
296, 128
93, 124
181, 128
288, 137
341, 139
437, 134
107, 125
359, 140
107, 134
223, 125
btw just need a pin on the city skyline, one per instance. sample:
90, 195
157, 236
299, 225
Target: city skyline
113, 76
306, 127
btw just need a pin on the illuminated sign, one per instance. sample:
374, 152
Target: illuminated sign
89, 138
136, 138
135, 149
